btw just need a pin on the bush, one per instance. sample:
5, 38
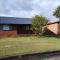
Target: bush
38, 22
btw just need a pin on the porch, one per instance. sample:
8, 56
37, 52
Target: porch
15, 29
24, 29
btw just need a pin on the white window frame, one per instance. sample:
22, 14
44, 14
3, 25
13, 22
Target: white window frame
6, 27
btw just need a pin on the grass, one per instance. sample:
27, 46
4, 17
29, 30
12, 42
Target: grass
28, 45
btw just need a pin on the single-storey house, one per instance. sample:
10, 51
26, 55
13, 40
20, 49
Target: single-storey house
11, 26
53, 28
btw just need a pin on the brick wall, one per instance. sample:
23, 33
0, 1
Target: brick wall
54, 28
8, 33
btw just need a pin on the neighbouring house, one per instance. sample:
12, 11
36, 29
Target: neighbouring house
12, 26
53, 28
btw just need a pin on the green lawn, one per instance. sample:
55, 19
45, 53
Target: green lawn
28, 45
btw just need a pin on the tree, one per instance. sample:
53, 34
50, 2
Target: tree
38, 22
57, 12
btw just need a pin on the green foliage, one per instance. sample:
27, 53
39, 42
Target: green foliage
57, 12
37, 23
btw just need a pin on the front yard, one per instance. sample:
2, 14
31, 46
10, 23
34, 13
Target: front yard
28, 45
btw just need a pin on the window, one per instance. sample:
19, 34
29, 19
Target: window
27, 28
6, 27
12, 27
1, 27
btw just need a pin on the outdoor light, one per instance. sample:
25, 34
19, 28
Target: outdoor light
53, 28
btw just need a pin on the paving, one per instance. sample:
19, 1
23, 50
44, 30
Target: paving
37, 56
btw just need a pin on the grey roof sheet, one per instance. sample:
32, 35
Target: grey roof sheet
14, 20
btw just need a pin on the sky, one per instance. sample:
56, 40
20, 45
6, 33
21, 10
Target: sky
28, 8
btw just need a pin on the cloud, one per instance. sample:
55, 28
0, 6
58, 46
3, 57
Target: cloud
46, 7
28, 8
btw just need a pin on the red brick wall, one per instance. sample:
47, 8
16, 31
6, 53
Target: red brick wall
8, 33
53, 28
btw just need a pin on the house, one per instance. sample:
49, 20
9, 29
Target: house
53, 28
12, 26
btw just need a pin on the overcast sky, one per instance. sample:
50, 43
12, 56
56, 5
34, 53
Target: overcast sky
28, 8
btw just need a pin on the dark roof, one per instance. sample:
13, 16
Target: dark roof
53, 22
14, 20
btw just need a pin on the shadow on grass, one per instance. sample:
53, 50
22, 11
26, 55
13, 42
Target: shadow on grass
55, 36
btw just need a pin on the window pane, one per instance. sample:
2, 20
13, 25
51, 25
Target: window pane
5, 27
1, 27
11, 27
27, 27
